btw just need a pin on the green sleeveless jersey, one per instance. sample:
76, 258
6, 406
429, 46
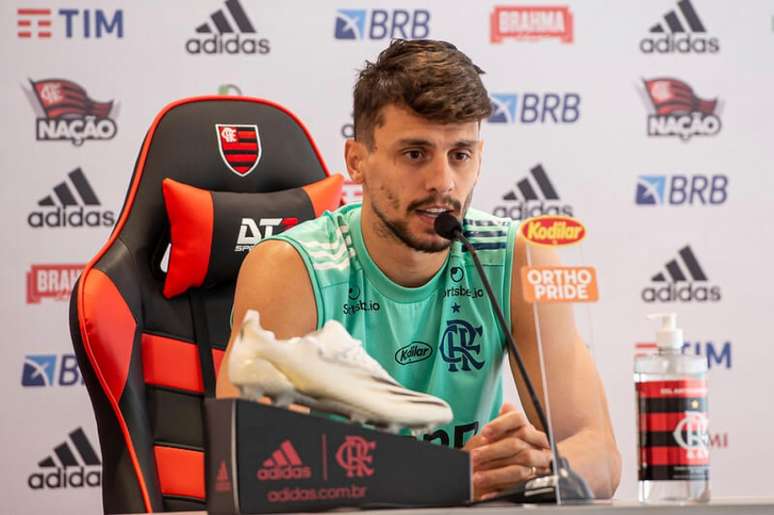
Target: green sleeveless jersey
441, 338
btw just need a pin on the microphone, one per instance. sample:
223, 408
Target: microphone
541, 488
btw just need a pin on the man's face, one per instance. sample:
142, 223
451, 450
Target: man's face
415, 170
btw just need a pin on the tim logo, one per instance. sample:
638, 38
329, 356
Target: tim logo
671, 36
250, 231
66, 113
683, 280
67, 471
51, 282
533, 195
681, 190
381, 24
37, 23
40, 370
531, 23
535, 108
718, 355
229, 31
458, 345
239, 146
354, 456
285, 463
677, 111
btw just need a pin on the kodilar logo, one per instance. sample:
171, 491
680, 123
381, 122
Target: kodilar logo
66, 113
683, 281
71, 211
677, 111
230, 32
534, 195
671, 36
66, 471
553, 231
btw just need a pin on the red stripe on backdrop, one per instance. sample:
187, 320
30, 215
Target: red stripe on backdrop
655, 456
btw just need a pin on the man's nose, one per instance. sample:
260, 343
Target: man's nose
439, 176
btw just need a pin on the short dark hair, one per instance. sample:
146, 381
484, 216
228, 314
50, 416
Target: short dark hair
432, 78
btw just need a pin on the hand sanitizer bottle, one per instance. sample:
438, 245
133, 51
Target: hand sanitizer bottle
672, 420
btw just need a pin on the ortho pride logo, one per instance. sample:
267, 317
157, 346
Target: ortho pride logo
677, 111
531, 23
66, 113
53, 281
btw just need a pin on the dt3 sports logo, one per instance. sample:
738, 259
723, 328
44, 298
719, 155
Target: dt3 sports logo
250, 230
681, 190
37, 23
284, 463
553, 231
229, 31
40, 370
458, 345
66, 113
239, 146
677, 111
51, 282
671, 35
381, 24
62, 469
683, 281
535, 108
64, 209
531, 23
533, 195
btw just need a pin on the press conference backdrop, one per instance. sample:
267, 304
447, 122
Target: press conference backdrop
650, 121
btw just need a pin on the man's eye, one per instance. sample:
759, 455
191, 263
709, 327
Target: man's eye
461, 156
413, 155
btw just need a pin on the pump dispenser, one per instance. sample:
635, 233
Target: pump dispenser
672, 419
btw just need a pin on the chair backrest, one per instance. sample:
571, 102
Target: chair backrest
137, 349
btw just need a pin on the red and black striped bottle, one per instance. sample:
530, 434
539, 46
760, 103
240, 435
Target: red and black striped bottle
672, 420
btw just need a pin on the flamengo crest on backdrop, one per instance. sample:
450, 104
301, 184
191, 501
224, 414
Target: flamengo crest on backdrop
239, 146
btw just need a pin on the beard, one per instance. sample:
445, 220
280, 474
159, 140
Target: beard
398, 228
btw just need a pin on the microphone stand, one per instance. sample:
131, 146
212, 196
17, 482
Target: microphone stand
562, 484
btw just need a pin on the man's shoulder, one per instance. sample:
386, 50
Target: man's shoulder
332, 227
477, 218
492, 236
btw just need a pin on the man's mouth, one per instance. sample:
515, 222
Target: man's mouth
429, 214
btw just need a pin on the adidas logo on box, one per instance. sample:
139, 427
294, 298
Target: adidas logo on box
226, 34
677, 284
529, 201
69, 211
67, 471
285, 463
677, 39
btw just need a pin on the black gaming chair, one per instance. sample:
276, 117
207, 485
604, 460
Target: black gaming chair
147, 361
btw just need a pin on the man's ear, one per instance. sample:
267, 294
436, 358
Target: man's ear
354, 157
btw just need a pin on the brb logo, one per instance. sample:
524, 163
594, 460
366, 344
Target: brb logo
354, 456
533, 195
677, 111
681, 190
250, 231
78, 23
40, 370
535, 108
51, 282
66, 113
684, 281
381, 24
458, 345
231, 32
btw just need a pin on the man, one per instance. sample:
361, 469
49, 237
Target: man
383, 272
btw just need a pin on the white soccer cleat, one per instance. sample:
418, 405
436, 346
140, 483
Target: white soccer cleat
329, 370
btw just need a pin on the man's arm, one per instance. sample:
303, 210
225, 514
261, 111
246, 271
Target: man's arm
579, 414
273, 280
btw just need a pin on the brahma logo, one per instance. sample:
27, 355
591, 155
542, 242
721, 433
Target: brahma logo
531, 23
534, 108
66, 471
234, 30
681, 190
250, 231
239, 146
285, 463
552, 284
553, 231
677, 111
78, 23
51, 282
381, 24
684, 281
677, 39
66, 113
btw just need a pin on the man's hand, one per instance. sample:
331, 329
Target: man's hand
509, 450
